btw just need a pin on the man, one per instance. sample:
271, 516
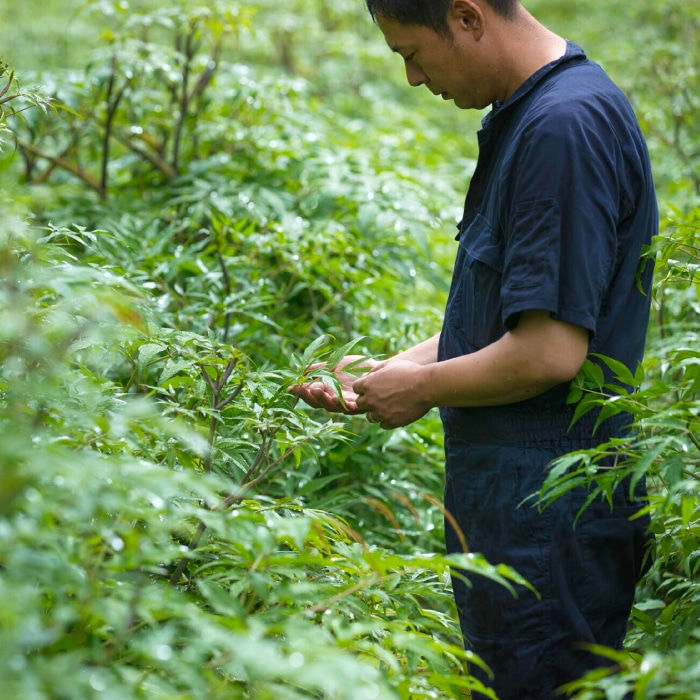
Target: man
548, 272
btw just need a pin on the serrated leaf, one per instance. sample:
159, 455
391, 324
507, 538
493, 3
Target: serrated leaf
687, 510
147, 352
620, 371
308, 356
340, 353
317, 484
221, 601
585, 405
172, 367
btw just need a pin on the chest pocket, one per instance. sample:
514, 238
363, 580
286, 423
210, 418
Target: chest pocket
473, 315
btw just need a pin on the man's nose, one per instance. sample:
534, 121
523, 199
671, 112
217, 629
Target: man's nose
415, 75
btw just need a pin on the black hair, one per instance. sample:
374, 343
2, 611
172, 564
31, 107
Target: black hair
429, 13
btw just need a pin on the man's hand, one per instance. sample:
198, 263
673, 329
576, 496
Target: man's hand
319, 393
391, 393
387, 391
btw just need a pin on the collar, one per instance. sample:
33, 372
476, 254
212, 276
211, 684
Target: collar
573, 52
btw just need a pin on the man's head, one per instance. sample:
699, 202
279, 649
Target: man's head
474, 52
454, 55
430, 13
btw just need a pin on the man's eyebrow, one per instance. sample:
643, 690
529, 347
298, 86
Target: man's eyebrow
398, 49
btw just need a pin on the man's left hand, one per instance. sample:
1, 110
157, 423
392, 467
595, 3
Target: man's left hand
391, 393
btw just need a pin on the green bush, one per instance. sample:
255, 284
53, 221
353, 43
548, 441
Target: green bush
199, 215
163, 533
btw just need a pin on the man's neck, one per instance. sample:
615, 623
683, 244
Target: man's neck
525, 46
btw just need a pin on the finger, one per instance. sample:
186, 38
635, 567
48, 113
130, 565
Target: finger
350, 399
325, 396
321, 395
313, 393
377, 366
302, 391
318, 387
362, 403
358, 386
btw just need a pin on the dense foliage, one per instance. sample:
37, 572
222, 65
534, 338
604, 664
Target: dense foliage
221, 196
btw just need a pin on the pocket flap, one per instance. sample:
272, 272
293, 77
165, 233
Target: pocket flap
477, 241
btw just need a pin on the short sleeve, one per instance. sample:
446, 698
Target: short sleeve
559, 232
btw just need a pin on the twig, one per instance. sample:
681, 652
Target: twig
184, 102
365, 583
112, 106
46, 173
217, 404
222, 404
694, 438
152, 157
87, 177
186, 560
227, 289
250, 480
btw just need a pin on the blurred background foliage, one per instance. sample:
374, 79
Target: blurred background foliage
198, 202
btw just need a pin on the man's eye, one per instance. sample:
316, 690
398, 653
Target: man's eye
409, 57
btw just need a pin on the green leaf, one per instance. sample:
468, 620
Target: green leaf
309, 354
317, 484
147, 352
172, 367
221, 601
340, 353
688, 505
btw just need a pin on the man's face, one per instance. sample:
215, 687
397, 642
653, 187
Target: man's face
445, 65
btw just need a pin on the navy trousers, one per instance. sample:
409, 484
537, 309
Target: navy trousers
585, 573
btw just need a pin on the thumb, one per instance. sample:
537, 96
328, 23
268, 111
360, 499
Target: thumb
358, 385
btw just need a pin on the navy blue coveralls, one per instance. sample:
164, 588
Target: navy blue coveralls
557, 214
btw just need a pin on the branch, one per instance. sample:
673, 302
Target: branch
10, 80
694, 438
364, 583
227, 289
44, 176
153, 158
249, 481
112, 106
7, 98
184, 102
87, 177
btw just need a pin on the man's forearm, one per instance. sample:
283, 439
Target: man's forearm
537, 355
424, 353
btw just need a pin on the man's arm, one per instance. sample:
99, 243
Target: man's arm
424, 353
539, 353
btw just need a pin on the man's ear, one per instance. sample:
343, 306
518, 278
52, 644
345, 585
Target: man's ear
467, 15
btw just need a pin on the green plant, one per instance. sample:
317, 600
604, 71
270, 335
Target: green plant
664, 405
161, 529
209, 215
